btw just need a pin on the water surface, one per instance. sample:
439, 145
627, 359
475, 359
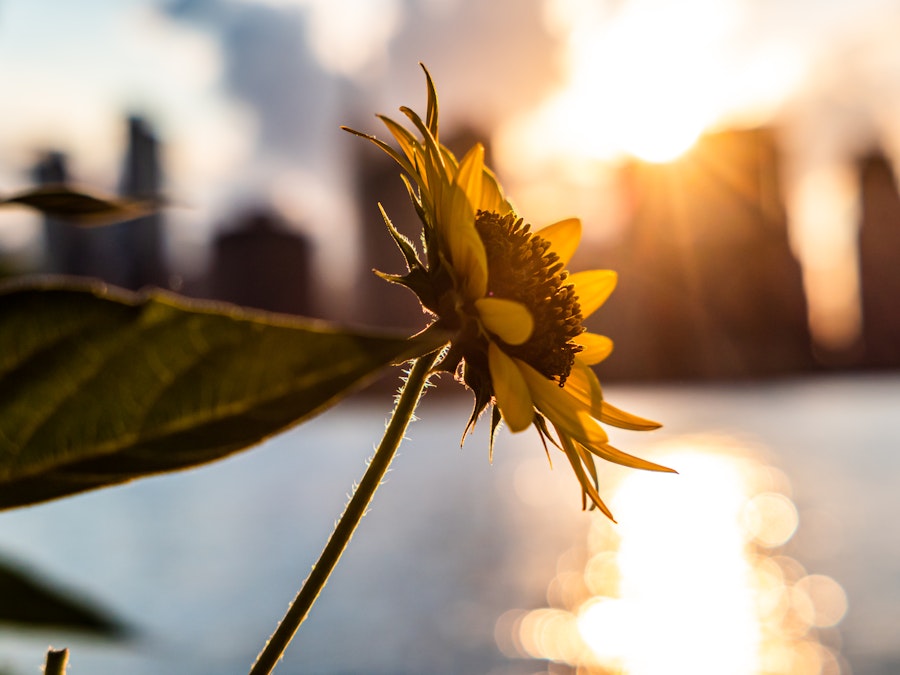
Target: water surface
204, 562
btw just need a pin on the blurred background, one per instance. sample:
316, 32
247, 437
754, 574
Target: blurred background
734, 161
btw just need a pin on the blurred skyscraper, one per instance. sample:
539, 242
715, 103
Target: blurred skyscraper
879, 248
66, 247
141, 241
259, 262
708, 286
128, 254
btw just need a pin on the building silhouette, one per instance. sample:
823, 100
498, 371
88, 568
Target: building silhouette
260, 262
67, 248
128, 254
879, 250
708, 286
141, 241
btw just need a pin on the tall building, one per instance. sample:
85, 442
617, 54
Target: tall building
128, 254
879, 250
141, 241
259, 262
67, 248
708, 286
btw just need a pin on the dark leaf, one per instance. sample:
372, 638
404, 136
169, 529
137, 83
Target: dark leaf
28, 601
79, 208
98, 387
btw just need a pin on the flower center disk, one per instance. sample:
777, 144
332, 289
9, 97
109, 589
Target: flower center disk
522, 267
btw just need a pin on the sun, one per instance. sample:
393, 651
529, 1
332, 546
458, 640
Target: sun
643, 80
657, 127
645, 83
582, 124
655, 132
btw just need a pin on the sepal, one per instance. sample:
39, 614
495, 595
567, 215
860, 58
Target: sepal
418, 282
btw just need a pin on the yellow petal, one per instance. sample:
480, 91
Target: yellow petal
619, 418
456, 223
593, 288
468, 249
564, 238
407, 142
510, 390
568, 414
454, 208
611, 454
578, 465
430, 164
594, 348
584, 386
471, 170
507, 319
492, 198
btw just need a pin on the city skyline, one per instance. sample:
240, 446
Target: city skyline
709, 285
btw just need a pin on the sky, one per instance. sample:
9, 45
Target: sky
248, 95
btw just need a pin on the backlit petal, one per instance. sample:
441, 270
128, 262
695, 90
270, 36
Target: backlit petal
492, 198
611, 454
510, 390
619, 418
569, 415
507, 319
584, 386
456, 222
471, 170
564, 238
593, 288
407, 142
578, 466
594, 348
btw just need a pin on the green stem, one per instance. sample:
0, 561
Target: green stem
57, 661
356, 508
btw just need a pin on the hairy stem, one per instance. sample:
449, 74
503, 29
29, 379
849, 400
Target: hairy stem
353, 513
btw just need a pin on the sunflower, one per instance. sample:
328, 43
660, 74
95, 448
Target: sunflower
505, 294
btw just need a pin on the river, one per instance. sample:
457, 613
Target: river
456, 550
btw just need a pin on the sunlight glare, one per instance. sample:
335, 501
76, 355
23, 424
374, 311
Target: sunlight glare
770, 519
703, 583
640, 83
686, 583
646, 78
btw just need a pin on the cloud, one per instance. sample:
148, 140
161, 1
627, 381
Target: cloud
303, 64
490, 59
270, 67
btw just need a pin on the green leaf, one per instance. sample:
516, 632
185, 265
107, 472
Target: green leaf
79, 208
98, 386
28, 601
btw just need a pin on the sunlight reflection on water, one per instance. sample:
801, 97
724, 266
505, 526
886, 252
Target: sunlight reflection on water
692, 579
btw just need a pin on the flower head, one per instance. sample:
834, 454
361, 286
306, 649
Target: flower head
503, 290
